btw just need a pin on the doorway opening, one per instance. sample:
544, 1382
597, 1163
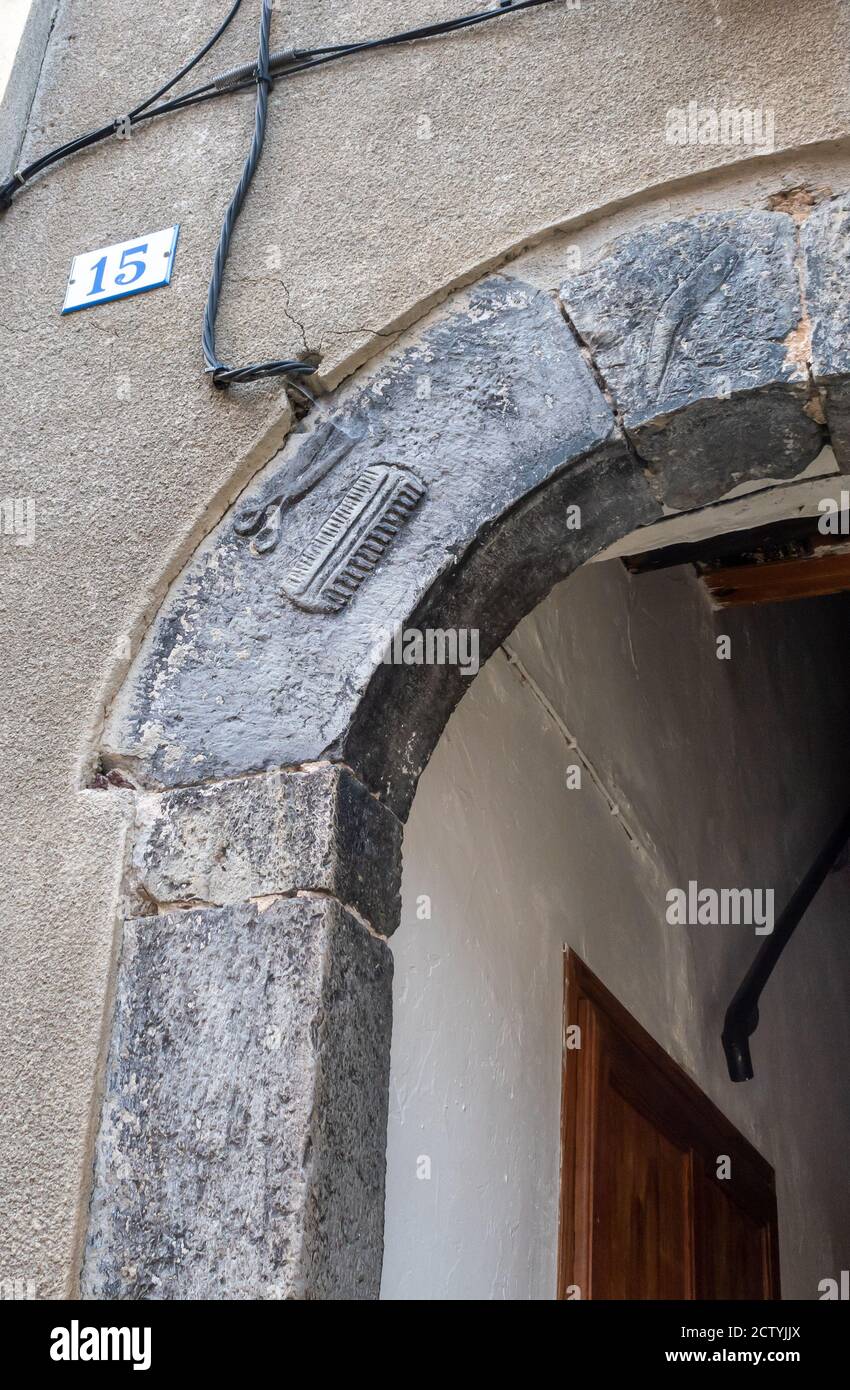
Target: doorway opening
631, 741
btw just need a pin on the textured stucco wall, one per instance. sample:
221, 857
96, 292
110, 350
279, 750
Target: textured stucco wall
731, 773
129, 457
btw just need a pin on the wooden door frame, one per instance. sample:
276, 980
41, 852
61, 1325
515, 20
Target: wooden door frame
585, 999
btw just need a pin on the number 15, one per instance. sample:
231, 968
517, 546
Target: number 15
122, 275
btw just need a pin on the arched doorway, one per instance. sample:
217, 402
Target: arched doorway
512, 438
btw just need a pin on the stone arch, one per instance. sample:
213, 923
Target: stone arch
509, 439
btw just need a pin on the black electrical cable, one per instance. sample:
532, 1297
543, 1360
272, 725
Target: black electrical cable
193, 62
22, 176
427, 31
302, 60
222, 375
268, 68
306, 59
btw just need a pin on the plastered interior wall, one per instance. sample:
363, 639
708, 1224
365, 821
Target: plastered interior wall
548, 128
728, 772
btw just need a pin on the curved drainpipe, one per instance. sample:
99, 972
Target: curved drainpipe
742, 1016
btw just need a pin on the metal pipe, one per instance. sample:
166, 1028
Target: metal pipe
742, 1016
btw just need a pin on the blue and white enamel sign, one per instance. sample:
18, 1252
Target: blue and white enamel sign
113, 272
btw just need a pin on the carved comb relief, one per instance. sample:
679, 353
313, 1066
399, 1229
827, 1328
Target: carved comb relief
349, 544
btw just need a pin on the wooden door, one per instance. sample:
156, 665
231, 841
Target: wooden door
646, 1209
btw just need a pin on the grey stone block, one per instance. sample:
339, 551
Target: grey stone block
825, 241
241, 1151
696, 327
319, 829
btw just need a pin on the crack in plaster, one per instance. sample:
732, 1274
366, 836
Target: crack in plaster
637, 842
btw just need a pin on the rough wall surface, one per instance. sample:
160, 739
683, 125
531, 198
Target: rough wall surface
318, 831
212, 1182
129, 458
